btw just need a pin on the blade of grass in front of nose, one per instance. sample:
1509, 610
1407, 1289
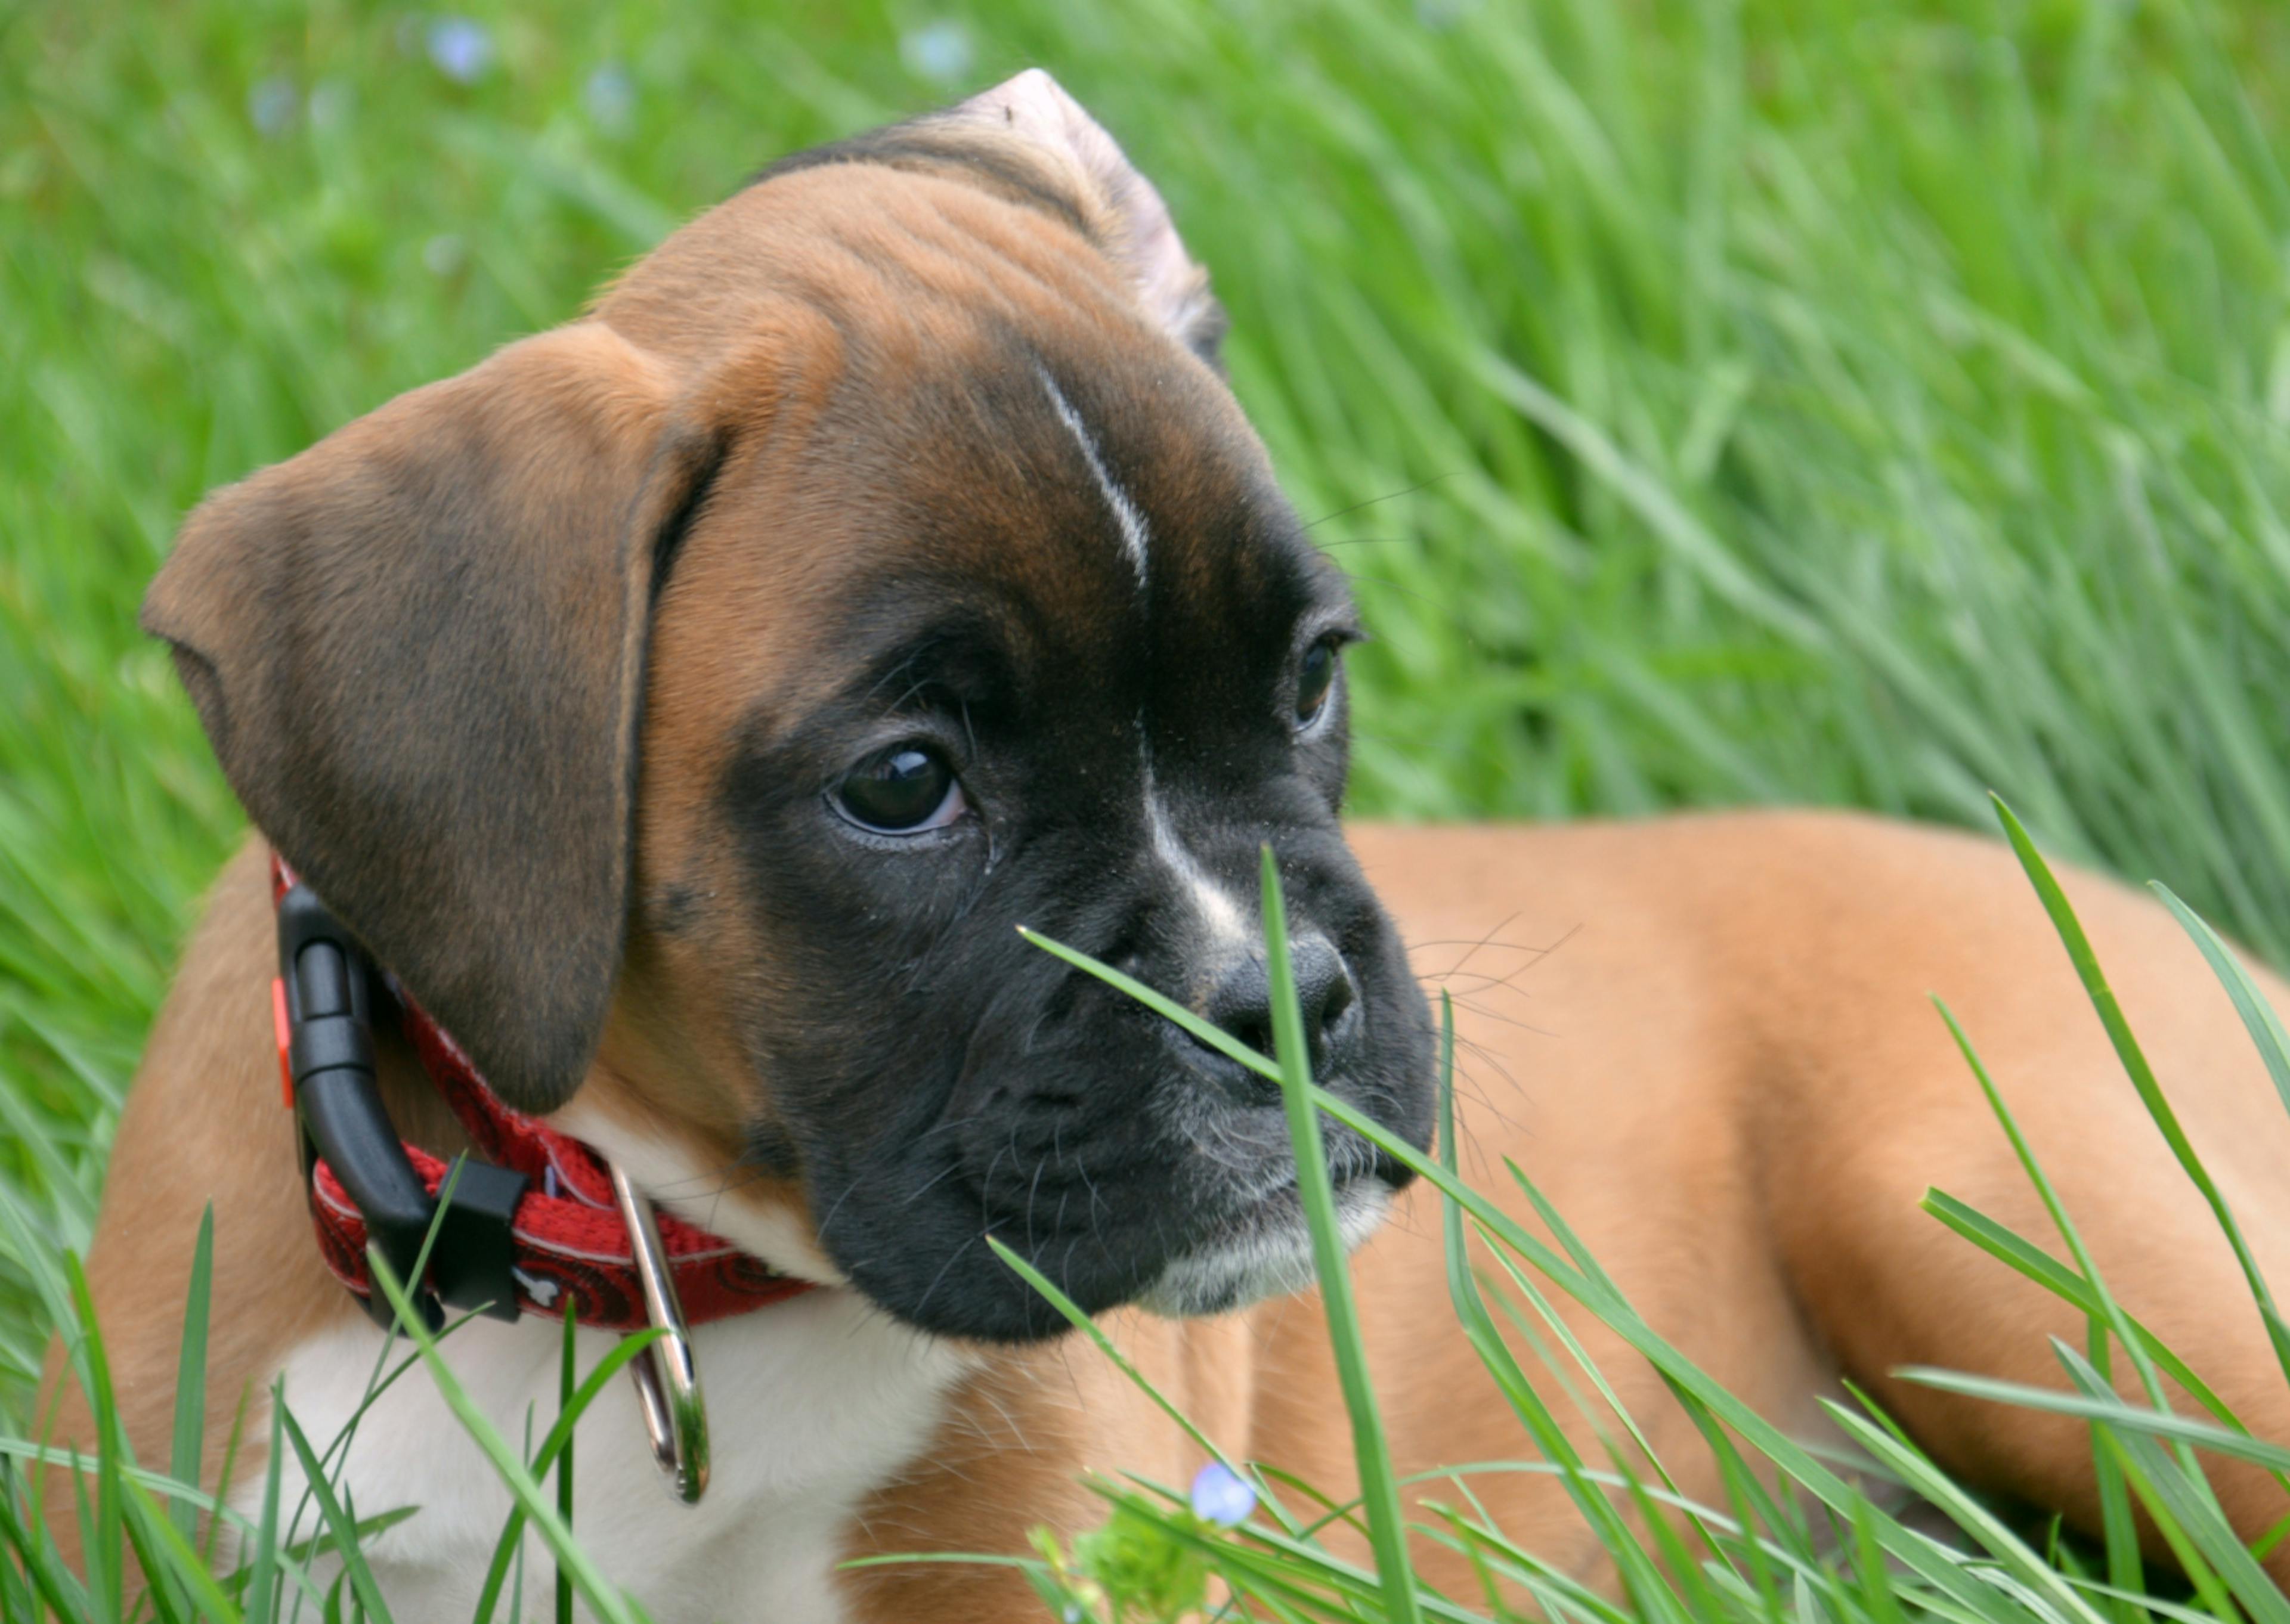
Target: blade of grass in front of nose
1216, 1037
1379, 1487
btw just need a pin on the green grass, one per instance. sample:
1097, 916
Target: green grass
1742, 400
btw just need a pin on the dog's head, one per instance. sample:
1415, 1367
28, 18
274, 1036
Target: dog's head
690, 703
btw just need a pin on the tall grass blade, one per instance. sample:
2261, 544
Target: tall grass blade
1913, 1468
2063, 1283
508, 1548
2142, 1075
2187, 1494
1800, 1464
191, 1375
167, 1552
2258, 1017
103, 1523
1480, 1328
262, 1581
337, 1521
1379, 1491
58, 1588
223, 1473
567, 1386
2110, 1410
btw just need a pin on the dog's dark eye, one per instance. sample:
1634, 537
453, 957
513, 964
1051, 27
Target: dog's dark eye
1315, 677
904, 790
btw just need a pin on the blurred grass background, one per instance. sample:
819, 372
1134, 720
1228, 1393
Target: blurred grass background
1739, 400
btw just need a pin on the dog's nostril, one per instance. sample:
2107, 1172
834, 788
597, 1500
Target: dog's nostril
1256, 1034
1241, 1002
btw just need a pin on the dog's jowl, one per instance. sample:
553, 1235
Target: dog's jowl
678, 716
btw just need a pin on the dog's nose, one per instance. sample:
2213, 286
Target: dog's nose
1241, 1000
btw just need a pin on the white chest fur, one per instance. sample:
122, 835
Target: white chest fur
812, 1404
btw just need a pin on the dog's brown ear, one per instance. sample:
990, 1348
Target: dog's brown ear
1124, 213
418, 649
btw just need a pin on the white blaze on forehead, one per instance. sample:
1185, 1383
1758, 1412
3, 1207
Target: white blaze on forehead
1216, 906
1125, 511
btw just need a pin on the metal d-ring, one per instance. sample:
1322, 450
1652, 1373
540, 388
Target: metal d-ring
668, 1382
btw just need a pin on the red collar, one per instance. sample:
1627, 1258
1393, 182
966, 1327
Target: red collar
567, 1235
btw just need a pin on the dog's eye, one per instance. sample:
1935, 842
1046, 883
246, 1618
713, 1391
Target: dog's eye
1316, 678
904, 790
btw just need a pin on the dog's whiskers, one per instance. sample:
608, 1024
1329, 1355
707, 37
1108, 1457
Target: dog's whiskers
951, 1261
929, 1184
1388, 496
1475, 946
1475, 1007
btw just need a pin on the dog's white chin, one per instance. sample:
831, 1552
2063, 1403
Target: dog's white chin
1270, 1258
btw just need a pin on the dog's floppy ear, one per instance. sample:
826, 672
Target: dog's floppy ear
418, 648
1124, 213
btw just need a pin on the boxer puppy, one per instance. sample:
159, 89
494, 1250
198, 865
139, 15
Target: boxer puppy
687, 705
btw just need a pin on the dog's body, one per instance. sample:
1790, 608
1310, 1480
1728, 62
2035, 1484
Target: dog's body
727, 514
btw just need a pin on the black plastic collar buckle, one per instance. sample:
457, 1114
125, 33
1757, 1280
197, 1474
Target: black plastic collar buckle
337, 1107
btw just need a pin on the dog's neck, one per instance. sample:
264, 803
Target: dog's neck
814, 1404
679, 1171
674, 1164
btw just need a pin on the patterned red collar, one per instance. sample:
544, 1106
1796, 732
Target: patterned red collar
567, 1233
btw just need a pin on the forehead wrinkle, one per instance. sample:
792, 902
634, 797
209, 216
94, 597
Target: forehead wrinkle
971, 245
890, 272
963, 256
963, 250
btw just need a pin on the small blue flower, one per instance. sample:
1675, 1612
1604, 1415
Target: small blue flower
938, 52
610, 95
1221, 1497
273, 104
461, 47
